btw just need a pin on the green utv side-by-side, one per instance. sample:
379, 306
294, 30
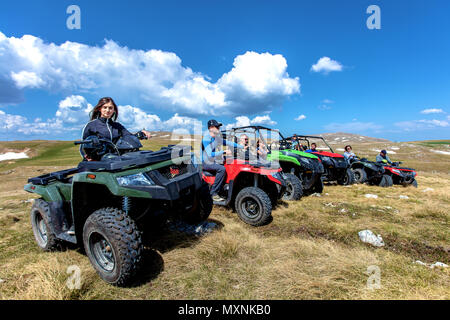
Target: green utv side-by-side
306, 166
107, 206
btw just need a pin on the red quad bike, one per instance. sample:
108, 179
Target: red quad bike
251, 188
401, 175
336, 167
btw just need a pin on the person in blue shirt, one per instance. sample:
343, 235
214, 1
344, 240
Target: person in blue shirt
383, 157
348, 154
212, 159
313, 148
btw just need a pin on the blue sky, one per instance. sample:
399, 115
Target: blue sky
250, 60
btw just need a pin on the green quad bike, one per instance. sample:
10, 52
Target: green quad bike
303, 171
106, 206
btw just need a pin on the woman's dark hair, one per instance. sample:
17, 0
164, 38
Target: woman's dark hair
96, 112
348, 146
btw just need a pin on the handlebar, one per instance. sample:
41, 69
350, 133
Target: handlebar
94, 141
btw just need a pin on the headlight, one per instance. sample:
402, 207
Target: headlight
396, 171
138, 179
325, 158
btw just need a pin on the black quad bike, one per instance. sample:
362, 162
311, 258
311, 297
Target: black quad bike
335, 166
370, 172
106, 206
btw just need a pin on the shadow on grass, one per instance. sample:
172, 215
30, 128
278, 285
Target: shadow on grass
165, 240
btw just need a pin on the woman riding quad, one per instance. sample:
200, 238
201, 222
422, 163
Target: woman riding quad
103, 125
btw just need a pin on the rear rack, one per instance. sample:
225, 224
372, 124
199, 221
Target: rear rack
54, 176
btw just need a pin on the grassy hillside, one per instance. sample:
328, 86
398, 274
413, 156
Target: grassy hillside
311, 250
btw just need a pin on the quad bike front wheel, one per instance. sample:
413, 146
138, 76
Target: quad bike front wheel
113, 245
40, 222
253, 206
294, 189
347, 179
202, 208
386, 181
360, 175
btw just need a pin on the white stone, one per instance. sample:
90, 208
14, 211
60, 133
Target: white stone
438, 264
368, 236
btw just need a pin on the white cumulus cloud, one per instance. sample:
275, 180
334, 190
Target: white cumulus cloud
422, 124
243, 121
258, 82
432, 110
300, 117
72, 114
326, 65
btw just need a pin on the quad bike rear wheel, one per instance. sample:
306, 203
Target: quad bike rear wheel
253, 206
294, 189
386, 181
40, 222
360, 175
203, 205
113, 245
347, 179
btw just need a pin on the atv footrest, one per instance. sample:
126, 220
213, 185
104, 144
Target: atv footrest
58, 175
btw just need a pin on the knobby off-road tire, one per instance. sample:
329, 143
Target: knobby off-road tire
414, 183
113, 244
386, 181
203, 205
294, 188
253, 206
40, 222
360, 175
347, 179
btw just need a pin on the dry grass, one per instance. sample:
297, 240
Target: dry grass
311, 250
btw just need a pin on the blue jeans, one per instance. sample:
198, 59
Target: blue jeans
219, 171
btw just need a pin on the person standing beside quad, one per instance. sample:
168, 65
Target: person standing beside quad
383, 157
212, 160
103, 125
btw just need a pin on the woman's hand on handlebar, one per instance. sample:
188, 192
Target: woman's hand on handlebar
147, 133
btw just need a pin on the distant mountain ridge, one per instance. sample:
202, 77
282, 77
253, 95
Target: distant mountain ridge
343, 137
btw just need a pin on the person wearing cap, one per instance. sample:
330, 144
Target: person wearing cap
383, 157
212, 159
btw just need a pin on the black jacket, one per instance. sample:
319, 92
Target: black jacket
105, 129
